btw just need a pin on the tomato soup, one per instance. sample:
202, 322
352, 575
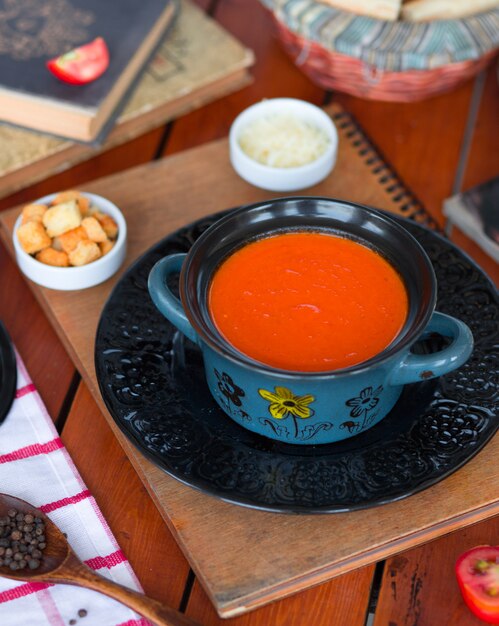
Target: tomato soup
307, 301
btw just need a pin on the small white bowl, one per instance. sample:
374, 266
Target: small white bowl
283, 178
81, 277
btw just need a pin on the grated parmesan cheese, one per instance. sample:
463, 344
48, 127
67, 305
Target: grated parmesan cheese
283, 140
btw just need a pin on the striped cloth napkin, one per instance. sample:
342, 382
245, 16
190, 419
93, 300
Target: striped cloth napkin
35, 466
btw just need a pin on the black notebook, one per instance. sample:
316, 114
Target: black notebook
31, 33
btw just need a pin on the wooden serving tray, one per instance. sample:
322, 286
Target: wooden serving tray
243, 557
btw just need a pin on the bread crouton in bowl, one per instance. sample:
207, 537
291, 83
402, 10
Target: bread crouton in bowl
70, 240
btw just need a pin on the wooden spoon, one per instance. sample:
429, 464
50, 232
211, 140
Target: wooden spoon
60, 564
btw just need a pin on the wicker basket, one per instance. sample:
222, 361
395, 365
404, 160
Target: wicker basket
391, 61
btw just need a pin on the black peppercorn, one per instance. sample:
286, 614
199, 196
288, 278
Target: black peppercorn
22, 540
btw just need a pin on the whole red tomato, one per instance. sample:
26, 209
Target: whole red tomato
477, 572
83, 64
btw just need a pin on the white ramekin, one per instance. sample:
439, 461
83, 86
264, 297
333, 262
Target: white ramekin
280, 178
72, 278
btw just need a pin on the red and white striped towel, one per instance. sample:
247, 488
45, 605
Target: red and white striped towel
35, 466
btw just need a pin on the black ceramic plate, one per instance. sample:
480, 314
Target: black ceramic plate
8, 373
152, 382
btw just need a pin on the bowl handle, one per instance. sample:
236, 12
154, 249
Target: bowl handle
167, 303
415, 368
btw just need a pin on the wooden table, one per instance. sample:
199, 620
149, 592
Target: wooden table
438, 146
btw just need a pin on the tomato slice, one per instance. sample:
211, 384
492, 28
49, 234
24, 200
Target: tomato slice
477, 572
83, 64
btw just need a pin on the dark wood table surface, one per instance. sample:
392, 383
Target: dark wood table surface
439, 146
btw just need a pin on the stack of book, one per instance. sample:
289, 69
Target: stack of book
166, 57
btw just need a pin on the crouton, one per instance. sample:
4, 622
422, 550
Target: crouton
85, 252
82, 201
94, 230
62, 217
33, 237
52, 257
56, 243
67, 232
33, 213
68, 241
109, 226
106, 246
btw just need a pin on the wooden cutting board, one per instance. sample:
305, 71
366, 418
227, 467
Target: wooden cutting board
243, 557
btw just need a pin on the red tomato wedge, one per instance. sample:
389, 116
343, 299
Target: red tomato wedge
81, 65
477, 573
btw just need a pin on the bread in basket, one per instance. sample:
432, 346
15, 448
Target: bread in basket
382, 59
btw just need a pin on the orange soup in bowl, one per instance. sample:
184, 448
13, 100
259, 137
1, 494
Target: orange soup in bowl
308, 301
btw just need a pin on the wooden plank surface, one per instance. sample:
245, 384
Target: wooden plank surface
420, 587
342, 601
274, 76
423, 130
422, 138
482, 163
273, 570
483, 159
425, 139
34, 337
140, 150
124, 501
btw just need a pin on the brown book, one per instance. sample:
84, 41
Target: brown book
33, 33
198, 62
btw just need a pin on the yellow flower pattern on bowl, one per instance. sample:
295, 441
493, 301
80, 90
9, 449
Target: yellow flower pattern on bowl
284, 403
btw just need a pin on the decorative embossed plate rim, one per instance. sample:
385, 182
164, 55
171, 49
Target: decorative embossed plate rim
152, 382
8, 373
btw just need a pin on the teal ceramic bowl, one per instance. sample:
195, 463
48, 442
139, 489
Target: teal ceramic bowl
304, 407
